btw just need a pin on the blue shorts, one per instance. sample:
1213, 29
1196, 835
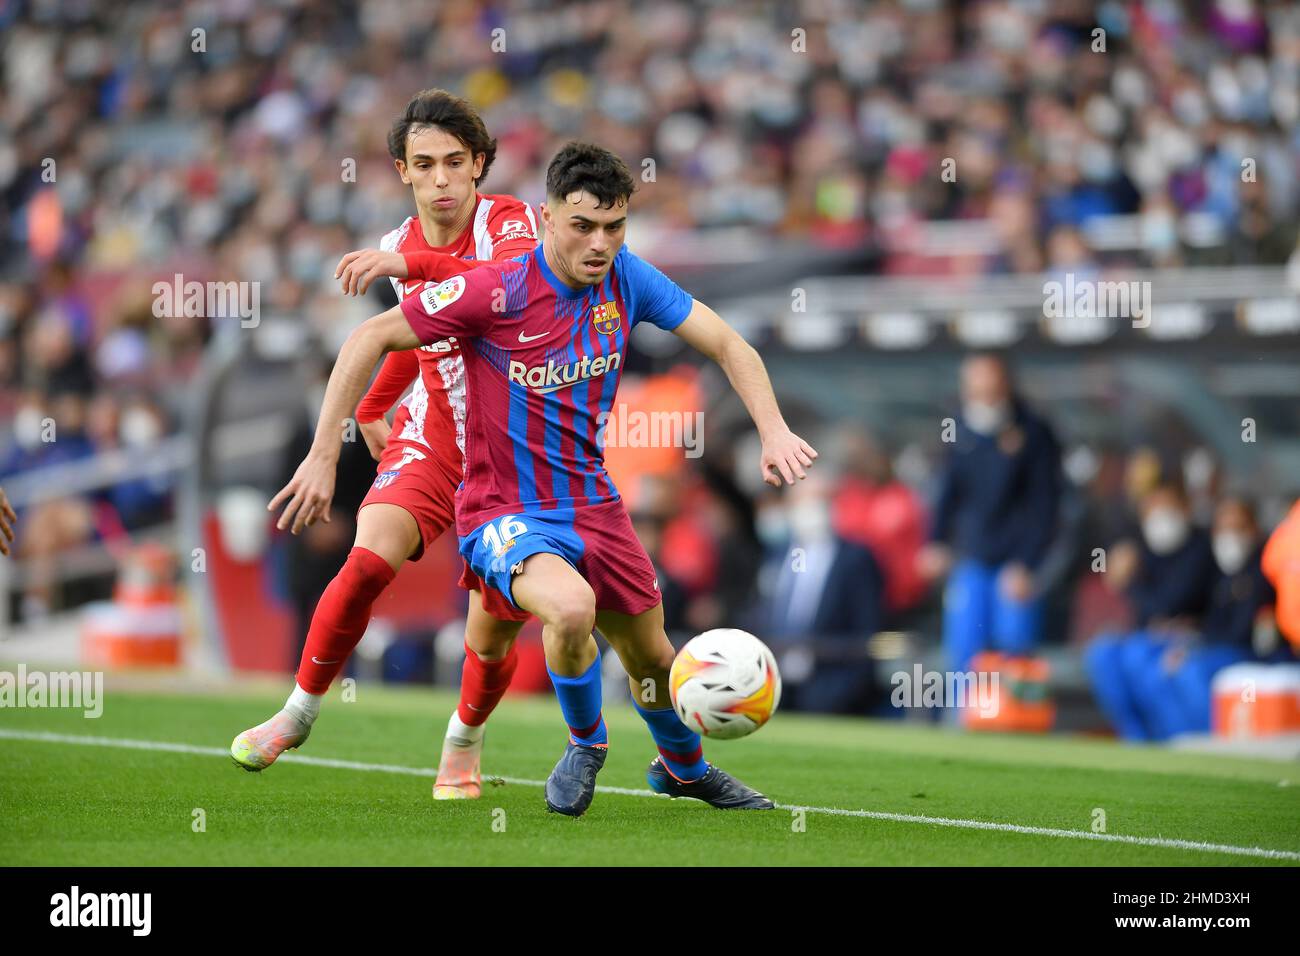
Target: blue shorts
598, 540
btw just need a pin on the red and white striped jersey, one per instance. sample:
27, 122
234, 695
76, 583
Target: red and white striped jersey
432, 416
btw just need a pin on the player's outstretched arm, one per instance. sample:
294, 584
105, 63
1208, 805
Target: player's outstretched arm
359, 268
310, 491
785, 454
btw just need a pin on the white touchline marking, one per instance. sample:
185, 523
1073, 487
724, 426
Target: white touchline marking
1164, 842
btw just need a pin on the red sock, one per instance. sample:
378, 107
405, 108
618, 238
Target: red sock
482, 685
341, 618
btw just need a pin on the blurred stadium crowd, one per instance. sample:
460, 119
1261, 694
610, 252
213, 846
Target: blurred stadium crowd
135, 147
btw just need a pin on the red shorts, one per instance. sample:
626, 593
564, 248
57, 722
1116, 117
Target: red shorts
493, 601
598, 540
421, 483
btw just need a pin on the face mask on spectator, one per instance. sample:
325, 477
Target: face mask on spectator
1231, 551
1097, 163
772, 528
810, 521
27, 427
1165, 530
985, 418
1159, 232
139, 428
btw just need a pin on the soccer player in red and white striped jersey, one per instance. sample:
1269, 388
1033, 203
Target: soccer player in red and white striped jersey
442, 150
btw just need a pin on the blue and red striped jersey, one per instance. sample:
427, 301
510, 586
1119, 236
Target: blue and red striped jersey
542, 366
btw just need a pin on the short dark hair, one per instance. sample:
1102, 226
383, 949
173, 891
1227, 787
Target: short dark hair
1173, 484
1245, 503
585, 167
449, 113
1000, 359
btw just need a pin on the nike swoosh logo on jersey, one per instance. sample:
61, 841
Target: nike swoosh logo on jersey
529, 338
318, 661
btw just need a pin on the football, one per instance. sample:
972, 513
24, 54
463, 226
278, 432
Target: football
724, 683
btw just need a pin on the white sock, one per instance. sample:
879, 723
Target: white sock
461, 733
304, 706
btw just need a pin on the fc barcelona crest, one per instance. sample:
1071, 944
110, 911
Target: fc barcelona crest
605, 317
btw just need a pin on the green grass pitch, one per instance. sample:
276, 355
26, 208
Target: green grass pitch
75, 803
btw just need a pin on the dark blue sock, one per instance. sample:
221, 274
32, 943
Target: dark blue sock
679, 746
580, 703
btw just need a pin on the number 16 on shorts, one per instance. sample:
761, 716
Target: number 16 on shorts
500, 535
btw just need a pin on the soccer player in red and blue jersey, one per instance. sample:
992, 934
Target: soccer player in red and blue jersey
541, 526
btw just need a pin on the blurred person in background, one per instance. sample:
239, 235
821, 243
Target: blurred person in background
1110, 498
649, 528
56, 359
35, 439
48, 432
133, 426
730, 517
708, 545
874, 509
1174, 692
995, 518
826, 594
650, 520
1167, 578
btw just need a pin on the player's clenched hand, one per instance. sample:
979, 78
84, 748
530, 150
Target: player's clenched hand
376, 435
309, 494
358, 269
8, 518
785, 455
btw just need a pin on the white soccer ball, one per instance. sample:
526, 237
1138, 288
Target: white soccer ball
724, 683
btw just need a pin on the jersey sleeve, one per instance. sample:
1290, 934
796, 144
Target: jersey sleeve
397, 372
652, 296
512, 228
438, 266
463, 306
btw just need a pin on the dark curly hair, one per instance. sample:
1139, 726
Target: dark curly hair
589, 168
449, 113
